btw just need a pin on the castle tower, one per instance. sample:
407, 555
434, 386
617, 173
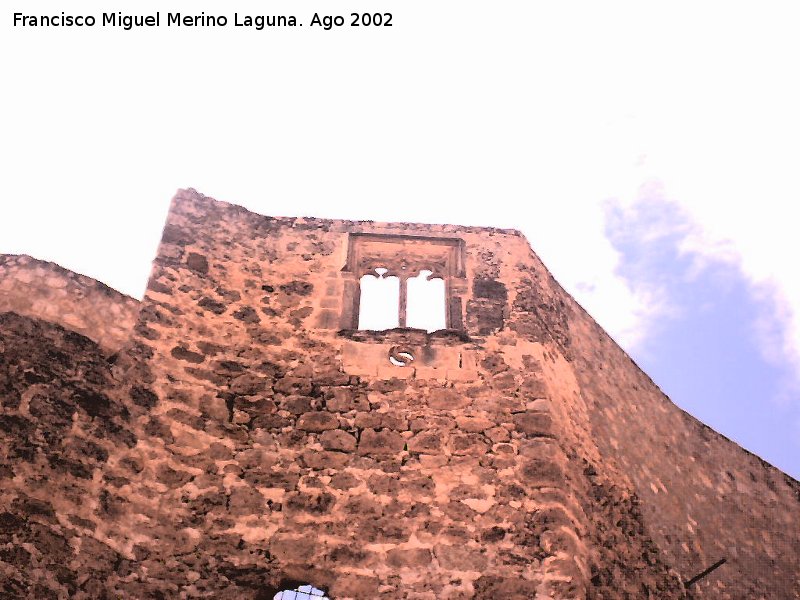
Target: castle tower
259, 431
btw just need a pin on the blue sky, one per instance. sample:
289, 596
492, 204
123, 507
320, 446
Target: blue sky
648, 152
705, 349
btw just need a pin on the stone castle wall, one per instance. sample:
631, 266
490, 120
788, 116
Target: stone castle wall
252, 439
703, 497
45, 290
287, 449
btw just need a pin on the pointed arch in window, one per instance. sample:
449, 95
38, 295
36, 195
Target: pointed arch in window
426, 306
378, 308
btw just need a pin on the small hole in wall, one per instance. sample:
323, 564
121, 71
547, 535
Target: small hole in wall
301, 592
400, 357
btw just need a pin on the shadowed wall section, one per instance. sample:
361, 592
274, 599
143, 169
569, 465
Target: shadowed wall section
44, 290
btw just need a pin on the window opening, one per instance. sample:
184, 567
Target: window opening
425, 306
402, 300
379, 301
403, 281
302, 592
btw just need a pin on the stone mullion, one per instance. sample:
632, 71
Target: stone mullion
403, 299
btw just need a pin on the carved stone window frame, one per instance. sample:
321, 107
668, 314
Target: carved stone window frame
404, 256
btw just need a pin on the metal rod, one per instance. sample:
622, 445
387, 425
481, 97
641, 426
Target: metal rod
699, 576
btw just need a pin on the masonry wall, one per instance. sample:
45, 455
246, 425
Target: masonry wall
703, 497
44, 290
282, 448
61, 419
242, 440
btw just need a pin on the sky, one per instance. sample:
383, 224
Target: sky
649, 152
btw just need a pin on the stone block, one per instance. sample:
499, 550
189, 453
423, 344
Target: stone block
426, 442
460, 558
317, 460
317, 421
410, 558
336, 439
380, 443
468, 444
534, 424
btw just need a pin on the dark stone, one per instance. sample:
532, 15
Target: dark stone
383, 484
369, 420
243, 501
10, 523
421, 485
184, 354
82, 449
144, 397
336, 439
542, 472
248, 384
175, 235
63, 465
534, 424
208, 348
317, 421
297, 288
315, 504
494, 534
269, 421
489, 288
468, 444
212, 305
94, 403
15, 556
172, 478
347, 555
344, 481
485, 316
385, 530
460, 558
154, 285
48, 542
197, 263
247, 314
325, 459
293, 549
426, 442
294, 385
16, 425
271, 479
228, 295
379, 443
159, 429
297, 405
182, 416
301, 313
494, 363
489, 587
409, 557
